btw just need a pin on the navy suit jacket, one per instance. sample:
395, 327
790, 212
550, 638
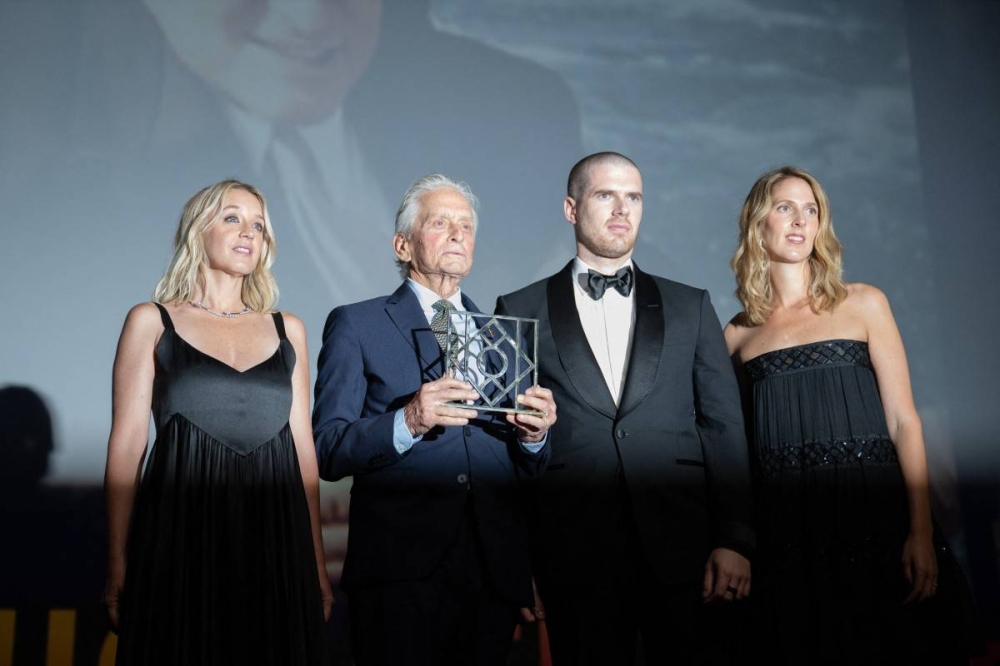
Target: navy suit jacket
407, 509
676, 437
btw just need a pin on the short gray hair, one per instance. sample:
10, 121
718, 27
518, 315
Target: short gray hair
409, 208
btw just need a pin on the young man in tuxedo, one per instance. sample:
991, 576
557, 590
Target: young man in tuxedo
642, 521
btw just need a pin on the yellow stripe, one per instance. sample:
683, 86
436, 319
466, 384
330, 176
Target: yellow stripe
7, 618
62, 630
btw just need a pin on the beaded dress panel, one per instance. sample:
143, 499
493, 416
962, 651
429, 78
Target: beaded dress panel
832, 517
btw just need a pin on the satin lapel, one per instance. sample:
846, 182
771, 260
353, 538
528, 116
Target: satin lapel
571, 344
404, 310
647, 343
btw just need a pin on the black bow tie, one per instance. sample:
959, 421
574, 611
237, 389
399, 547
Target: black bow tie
621, 281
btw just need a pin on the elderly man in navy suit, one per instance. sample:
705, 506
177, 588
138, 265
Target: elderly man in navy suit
437, 559
641, 526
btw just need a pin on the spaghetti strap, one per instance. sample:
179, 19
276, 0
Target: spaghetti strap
164, 317
279, 323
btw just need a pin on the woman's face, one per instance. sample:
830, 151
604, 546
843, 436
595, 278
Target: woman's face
234, 241
790, 228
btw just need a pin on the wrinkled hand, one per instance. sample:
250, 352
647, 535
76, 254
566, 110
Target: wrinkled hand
536, 612
920, 567
427, 409
531, 429
727, 576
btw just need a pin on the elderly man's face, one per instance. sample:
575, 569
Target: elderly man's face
286, 60
442, 240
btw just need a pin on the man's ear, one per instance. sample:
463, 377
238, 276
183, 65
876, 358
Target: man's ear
401, 246
569, 210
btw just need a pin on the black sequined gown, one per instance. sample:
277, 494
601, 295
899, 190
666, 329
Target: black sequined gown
832, 518
220, 565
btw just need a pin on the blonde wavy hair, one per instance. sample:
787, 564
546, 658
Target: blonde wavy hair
186, 274
752, 264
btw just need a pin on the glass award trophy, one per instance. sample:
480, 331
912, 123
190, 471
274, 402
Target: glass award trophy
497, 355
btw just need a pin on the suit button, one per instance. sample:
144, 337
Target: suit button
468, 431
462, 478
622, 433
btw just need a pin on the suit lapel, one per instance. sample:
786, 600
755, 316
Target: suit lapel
571, 344
647, 343
404, 310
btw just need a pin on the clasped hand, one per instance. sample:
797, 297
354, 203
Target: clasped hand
430, 407
531, 429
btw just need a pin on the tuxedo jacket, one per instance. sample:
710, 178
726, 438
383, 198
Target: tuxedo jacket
674, 447
407, 509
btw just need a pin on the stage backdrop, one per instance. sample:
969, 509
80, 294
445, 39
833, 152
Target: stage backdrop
114, 113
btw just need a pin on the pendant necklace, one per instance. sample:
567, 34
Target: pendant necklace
225, 314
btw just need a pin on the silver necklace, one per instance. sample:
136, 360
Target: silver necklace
224, 313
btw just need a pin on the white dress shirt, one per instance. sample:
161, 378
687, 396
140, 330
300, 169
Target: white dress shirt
608, 325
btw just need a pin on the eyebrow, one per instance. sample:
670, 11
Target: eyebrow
240, 209
637, 193
448, 216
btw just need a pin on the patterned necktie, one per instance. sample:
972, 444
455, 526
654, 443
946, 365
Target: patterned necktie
439, 325
621, 282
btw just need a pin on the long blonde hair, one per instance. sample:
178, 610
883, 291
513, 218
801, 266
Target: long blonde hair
186, 274
752, 264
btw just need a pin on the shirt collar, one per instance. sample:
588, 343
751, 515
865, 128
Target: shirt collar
428, 298
255, 134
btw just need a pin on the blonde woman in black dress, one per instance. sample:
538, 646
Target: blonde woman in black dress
849, 569
215, 550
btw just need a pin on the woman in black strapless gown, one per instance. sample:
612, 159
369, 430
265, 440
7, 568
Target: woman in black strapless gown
849, 569
215, 548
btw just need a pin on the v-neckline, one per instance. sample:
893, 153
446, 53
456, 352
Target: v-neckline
223, 363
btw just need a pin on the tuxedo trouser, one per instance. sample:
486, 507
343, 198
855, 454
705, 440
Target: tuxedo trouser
451, 617
628, 616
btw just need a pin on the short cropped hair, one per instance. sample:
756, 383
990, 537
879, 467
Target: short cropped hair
579, 175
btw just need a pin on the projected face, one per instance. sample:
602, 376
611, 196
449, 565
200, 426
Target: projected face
286, 60
607, 215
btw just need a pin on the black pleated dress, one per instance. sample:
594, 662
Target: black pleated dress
220, 564
832, 517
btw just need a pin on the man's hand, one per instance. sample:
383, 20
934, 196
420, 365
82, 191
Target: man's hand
427, 409
727, 576
531, 429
